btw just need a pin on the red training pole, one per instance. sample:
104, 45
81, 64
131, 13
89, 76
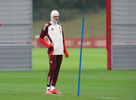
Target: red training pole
108, 33
67, 22
91, 23
43, 16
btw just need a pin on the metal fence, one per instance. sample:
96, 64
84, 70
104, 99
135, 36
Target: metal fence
16, 35
71, 20
123, 34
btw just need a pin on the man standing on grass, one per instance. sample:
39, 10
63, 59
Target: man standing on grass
56, 47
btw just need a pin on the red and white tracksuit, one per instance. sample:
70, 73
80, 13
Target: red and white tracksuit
55, 35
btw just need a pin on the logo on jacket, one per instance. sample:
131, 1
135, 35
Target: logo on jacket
52, 29
60, 29
51, 62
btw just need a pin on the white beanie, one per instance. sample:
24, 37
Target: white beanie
54, 13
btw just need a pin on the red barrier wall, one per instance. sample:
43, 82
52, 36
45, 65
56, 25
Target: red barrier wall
75, 43
87, 43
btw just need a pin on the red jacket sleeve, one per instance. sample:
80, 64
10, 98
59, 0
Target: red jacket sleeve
44, 33
44, 43
65, 50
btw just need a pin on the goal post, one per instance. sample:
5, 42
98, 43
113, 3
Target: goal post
108, 33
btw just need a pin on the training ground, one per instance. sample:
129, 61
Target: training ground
96, 82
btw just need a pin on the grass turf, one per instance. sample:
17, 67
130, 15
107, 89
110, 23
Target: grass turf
96, 82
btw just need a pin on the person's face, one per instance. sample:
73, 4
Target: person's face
56, 18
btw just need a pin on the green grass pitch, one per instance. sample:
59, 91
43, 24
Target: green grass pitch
96, 82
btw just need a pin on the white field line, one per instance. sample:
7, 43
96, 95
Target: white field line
53, 94
7, 92
41, 94
107, 97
